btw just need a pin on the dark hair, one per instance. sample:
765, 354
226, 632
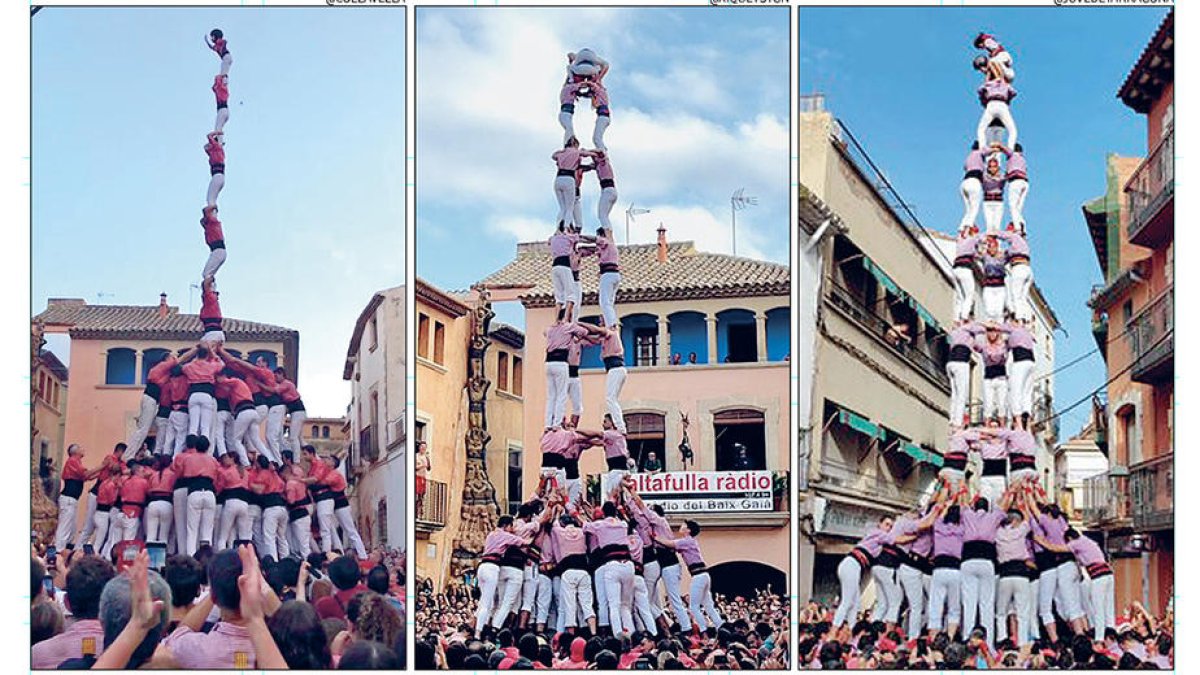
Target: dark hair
216, 34
981, 504
297, 631
562, 312
504, 521
202, 444
657, 508
184, 574
282, 574
344, 572
1071, 534
377, 579
527, 646
85, 582
36, 573
1128, 661
953, 515
609, 509
45, 621
525, 510
309, 449
424, 657
1164, 644
1081, 649
693, 527
223, 572
263, 462
366, 655
606, 660
954, 656
119, 447
1017, 147
974, 145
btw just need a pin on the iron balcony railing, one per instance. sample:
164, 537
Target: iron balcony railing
1151, 336
871, 320
1151, 486
1150, 187
431, 508
1105, 501
878, 485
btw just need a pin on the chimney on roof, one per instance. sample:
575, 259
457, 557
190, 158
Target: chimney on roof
163, 310
662, 243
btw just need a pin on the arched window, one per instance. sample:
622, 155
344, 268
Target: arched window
120, 366
266, 354
779, 333
741, 440
325, 431
689, 335
647, 433
381, 520
639, 335
150, 358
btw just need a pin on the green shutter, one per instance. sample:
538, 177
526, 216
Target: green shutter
882, 277
860, 424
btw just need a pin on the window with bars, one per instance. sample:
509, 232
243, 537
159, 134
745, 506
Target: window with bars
645, 345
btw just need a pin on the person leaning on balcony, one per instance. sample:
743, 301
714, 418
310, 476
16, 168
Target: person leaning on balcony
421, 467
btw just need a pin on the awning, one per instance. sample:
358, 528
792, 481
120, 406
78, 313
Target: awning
921, 454
860, 424
924, 314
882, 277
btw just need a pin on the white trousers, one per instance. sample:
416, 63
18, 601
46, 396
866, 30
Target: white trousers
274, 528
1018, 190
959, 373
130, 525
275, 416
992, 488
609, 283
147, 413
600, 583
1020, 387
529, 588
567, 121
610, 480
575, 598
220, 433
991, 301
1103, 605
100, 527
179, 429
216, 258
557, 378
1017, 284
995, 397
972, 195
849, 574
179, 505
345, 518
214, 188
201, 512
912, 581
563, 283
575, 395
602, 122
608, 199
1013, 593
115, 528
993, 215
159, 515
511, 579
889, 595
944, 598
564, 191
577, 213
672, 577
202, 409
993, 111
543, 599
222, 118
1059, 586
614, 381
964, 292
302, 531
235, 524
700, 601
68, 507
246, 430
325, 523
618, 581
643, 614
89, 520
488, 575
653, 573
296, 431
576, 298
978, 581
226, 62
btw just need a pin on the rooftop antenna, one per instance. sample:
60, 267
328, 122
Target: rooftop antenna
631, 213
737, 202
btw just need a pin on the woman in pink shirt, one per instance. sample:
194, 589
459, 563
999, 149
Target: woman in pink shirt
159, 509
215, 148
216, 42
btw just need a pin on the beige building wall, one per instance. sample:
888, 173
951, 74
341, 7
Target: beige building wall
49, 417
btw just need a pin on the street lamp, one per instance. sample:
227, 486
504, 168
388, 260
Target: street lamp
737, 202
630, 214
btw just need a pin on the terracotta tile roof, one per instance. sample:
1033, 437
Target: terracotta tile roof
142, 322
1153, 70
688, 274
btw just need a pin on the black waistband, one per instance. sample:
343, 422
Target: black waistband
573, 562
211, 324
272, 400
259, 398
557, 355
71, 488
1016, 175
994, 371
1013, 568
697, 568
1044, 560
1018, 259
666, 557
607, 183
616, 463
615, 553
993, 197
159, 498
946, 562
609, 268
215, 169
103, 508
603, 111
965, 261
572, 371
202, 388
200, 484
960, 353
222, 104
954, 461
611, 362
222, 405
340, 501
994, 467
1097, 570
571, 466
237, 493
561, 261
152, 390
295, 514
295, 406
889, 557
1022, 354
979, 550
243, 407
919, 563
974, 173
863, 558
164, 411
217, 245
271, 499
300, 504
1017, 462
552, 460
992, 282
566, 172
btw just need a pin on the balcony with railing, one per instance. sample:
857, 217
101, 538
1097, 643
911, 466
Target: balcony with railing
871, 320
852, 480
1151, 486
1105, 503
1151, 336
431, 508
368, 445
1151, 191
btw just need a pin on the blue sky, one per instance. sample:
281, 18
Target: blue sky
901, 79
700, 101
313, 205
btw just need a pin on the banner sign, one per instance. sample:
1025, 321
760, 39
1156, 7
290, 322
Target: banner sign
707, 491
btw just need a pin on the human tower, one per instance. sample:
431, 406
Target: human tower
993, 558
